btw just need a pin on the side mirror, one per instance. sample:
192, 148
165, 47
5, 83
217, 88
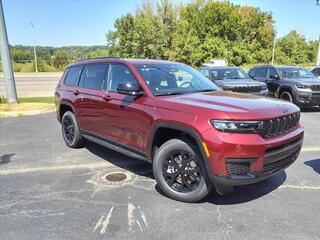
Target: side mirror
275, 77
130, 89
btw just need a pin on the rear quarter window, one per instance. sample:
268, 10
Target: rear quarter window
73, 75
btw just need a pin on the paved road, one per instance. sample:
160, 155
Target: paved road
49, 191
33, 84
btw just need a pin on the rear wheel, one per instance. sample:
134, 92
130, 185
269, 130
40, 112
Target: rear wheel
70, 130
180, 172
287, 96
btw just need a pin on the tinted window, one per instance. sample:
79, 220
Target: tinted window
168, 79
228, 73
93, 76
261, 73
119, 73
316, 71
252, 72
205, 72
73, 76
295, 72
272, 72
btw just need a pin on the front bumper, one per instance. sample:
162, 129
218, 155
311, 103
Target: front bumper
307, 98
241, 159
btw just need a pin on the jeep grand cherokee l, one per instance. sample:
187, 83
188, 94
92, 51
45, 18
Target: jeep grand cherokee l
169, 114
291, 83
234, 79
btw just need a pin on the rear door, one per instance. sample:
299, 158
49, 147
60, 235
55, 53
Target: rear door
90, 93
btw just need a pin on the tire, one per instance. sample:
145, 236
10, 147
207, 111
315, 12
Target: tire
187, 187
70, 130
287, 96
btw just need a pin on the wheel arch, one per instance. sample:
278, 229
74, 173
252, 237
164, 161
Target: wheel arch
63, 107
176, 129
284, 88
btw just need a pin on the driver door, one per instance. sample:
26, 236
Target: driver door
125, 119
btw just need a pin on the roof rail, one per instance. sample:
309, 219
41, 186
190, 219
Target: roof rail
95, 58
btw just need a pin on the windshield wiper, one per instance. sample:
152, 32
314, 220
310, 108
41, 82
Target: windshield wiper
169, 93
207, 90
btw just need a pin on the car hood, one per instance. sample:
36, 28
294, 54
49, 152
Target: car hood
233, 105
239, 83
309, 81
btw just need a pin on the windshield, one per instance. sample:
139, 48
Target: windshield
167, 79
295, 73
228, 73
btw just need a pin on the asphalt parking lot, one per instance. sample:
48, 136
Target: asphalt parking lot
49, 191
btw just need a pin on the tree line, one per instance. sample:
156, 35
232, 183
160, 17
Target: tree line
191, 33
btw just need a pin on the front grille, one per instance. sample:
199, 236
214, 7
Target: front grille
315, 97
277, 126
281, 164
241, 168
248, 89
315, 87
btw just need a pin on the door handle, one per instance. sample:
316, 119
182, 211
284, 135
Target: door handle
76, 92
107, 97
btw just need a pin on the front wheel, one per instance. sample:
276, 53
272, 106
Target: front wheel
180, 172
287, 96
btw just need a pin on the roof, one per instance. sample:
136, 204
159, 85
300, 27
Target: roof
277, 66
220, 67
128, 60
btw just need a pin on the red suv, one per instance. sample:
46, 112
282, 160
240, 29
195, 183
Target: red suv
195, 135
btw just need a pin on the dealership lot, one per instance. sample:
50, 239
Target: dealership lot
49, 191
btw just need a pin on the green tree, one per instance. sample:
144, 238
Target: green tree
60, 59
292, 49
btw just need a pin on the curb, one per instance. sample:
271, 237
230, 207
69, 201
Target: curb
25, 113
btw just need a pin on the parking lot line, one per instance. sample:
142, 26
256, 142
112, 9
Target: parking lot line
301, 187
310, 149
55, 168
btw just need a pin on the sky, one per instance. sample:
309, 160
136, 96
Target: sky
86, 22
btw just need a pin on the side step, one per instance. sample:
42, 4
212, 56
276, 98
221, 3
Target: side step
115, 147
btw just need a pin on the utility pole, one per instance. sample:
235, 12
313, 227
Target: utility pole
318, 56
6, 61
34, 46
273, 47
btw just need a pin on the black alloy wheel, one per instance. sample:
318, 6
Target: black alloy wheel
181, 171
68, 129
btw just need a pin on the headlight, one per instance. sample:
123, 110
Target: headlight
264, 87
300, 86
237, 126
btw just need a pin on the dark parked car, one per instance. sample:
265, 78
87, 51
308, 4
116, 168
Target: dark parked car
316, 71
234, 79
170, 115
291, 83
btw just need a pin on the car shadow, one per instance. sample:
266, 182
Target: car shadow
310, 109
240, 194
315, 164
247, 193
138, 167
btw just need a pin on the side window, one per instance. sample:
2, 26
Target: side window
252, 72
73, 76
119, 73
93, 76
261, 73
205, 72
316, 72
272, 72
